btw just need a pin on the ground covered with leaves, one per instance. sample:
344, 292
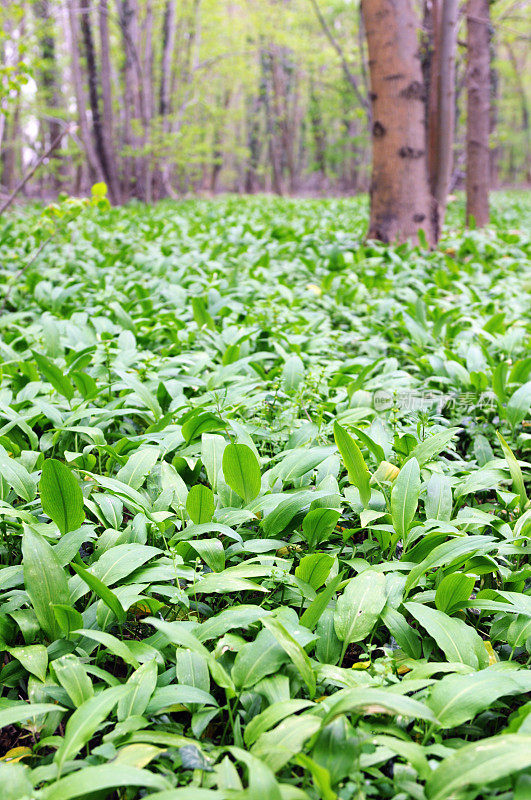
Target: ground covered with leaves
264, 521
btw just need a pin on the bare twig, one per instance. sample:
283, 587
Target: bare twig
32, 171
339, 50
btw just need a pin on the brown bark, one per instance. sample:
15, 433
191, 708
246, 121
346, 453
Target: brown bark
441, 106
478, 112
401, 203
49, 90
95, 170
106, 96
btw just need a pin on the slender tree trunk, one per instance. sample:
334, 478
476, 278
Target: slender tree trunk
106, 95
51, 128
401, 203
478, 112
100, 138
95, 170
441, 105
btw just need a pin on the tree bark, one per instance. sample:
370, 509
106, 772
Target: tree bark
441, 113
401, 203
51, 127
106, 96
478, 112
95, 170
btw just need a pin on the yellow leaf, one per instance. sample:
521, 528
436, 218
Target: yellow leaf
16, 754
493, 658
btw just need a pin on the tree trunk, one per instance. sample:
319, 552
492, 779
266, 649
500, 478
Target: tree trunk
106, 95
49, 90
478, 112
441, 106
95, 170
401, 203
93, 85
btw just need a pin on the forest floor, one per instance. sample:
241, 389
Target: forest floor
264, 515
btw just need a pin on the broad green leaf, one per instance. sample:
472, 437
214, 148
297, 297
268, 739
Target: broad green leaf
519, 404
99, 588
33, 657
358, 608
432, 445
453, 589
296, 653
271, 716
318, 525
314, 569
438, 502
456, 699
141, 685
84, 722
54, 375
115, 646
368, 701
514, 469
138, 466
405, 497
21, 712
17, 476
44, 579
479, 763
73, 677
242, 471
200, 504
61, 496
457, 640
105, 777
354, 462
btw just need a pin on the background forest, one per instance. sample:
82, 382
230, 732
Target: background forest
163, 97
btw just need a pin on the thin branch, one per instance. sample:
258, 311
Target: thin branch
339, 50
33, 169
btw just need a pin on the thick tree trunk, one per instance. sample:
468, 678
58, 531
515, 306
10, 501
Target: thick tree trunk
478, 112
401, 203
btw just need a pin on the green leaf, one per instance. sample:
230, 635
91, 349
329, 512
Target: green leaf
405, 497
141, 686
292, 374
33, 657
296, 653
242, 471
319, 524
54, 375
358, 608
354, 462
514, 469
21, 712
73, 677
519, 404
44, 579
61, 496
84, 722
99, 588
439, 501
457, 640
314, 569
456, 699
105, 777
271, 716
115, 646
479, 764
138, 466
406, 637
17, 476
313, 613
200, 504
199, 423
432, 445
369, 701
453, 589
